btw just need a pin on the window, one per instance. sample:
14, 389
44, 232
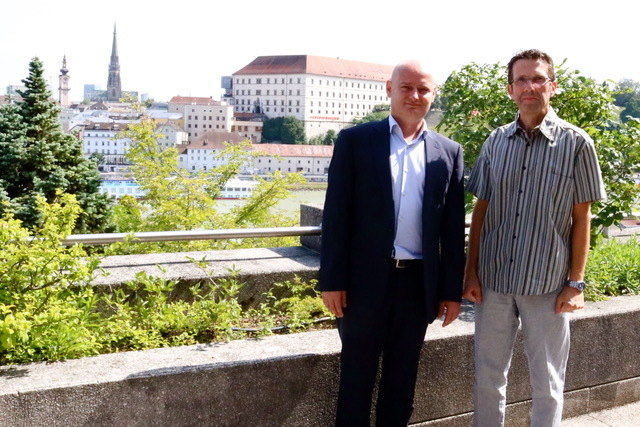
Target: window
299, 81
259, 81
258, 92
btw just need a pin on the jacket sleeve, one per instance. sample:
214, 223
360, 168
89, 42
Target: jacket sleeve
336, 219
452, 236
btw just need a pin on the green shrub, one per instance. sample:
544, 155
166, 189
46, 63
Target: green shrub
613, 269
49, 310
46, 310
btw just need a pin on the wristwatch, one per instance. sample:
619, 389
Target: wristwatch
579, 285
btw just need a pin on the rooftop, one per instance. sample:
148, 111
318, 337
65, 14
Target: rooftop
194, 100
318, 65
294, 150
214, 140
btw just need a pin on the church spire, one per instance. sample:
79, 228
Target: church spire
63, 84
114, 89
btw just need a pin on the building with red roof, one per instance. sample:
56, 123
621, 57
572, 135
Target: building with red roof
325, 93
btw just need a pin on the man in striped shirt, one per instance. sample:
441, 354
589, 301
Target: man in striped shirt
535, 180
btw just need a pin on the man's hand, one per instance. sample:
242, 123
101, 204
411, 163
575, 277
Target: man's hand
450, 310
472, 288
569, 299
335, 301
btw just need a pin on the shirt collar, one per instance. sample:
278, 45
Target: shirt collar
393, 124
547, 126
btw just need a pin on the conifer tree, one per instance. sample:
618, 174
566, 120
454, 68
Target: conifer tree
38, 158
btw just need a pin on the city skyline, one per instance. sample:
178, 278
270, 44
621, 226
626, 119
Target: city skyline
169, 49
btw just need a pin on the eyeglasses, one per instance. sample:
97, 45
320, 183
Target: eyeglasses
537, 82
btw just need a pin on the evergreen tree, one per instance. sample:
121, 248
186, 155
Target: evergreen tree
38, 158
12, 148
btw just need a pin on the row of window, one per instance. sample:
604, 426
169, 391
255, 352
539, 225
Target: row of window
281, 80
249, 109
218, 118
268, 80
195, 125
258, 92
115, 143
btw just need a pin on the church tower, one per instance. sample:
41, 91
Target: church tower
114, 90
63, 84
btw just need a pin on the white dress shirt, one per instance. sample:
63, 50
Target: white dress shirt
407, 160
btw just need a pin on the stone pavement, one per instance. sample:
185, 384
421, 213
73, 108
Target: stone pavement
620, 416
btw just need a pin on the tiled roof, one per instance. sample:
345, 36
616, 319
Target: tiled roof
106, 126
318, 65
194, 100
171, 125
294, 150
214, 140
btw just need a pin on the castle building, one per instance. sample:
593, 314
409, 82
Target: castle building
324, 93
63, 84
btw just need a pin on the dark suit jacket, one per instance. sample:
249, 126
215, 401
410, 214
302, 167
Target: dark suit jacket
358, 226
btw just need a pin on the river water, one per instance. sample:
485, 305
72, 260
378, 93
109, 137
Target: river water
288, 206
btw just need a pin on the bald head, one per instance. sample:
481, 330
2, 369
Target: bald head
411, 91
411, 66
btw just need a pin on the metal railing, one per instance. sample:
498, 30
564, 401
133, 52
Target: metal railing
173, 236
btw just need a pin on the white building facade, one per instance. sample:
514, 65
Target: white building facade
103, 138
324, 93
201, 115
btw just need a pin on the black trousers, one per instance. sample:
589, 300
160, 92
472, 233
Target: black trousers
394, 328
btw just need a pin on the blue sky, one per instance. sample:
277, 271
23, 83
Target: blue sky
170, 48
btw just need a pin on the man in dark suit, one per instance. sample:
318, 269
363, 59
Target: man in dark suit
392, 247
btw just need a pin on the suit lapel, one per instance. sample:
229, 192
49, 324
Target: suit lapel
435, 172
380, 150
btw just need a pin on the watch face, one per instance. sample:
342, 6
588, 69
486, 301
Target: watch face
578, 285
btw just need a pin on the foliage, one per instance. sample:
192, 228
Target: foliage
379, 112
627, 96
287, 130
49, 310
176, 199
613, 269
294, 301
38, 159
144, 315
476, 102
43, 314
328, 138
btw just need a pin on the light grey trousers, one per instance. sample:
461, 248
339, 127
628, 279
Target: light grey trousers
546, 339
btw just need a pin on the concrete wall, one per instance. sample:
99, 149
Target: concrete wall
291, 380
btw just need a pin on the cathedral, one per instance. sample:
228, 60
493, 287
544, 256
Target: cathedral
114, 89
114, 92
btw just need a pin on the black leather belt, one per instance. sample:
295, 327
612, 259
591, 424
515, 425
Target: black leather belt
405, 263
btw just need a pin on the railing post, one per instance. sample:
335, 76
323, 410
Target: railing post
311, 215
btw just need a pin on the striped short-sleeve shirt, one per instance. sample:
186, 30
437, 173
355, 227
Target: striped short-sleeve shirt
532, 182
